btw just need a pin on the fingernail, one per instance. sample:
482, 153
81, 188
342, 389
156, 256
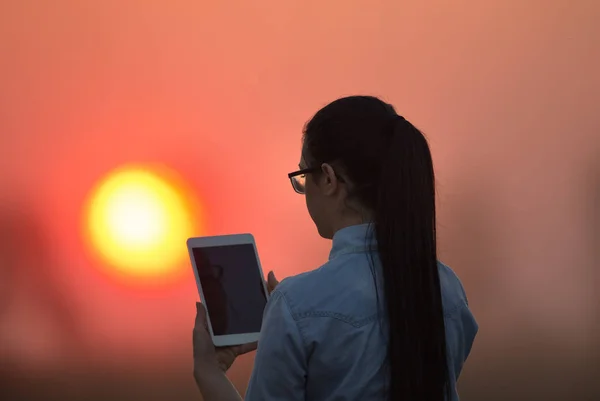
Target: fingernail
271, 275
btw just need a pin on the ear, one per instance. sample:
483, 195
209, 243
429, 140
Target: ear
330, 183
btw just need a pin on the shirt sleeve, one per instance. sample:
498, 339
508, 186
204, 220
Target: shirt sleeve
280, 364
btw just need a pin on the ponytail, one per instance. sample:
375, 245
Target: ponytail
405, 229
390, 173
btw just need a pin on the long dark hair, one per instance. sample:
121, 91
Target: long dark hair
389, 170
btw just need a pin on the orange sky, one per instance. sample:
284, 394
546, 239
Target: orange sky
506, 91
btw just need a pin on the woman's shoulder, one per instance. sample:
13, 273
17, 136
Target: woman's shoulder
453, 292
298, 285
330, 290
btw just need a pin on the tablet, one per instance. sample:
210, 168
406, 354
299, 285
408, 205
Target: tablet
231, 286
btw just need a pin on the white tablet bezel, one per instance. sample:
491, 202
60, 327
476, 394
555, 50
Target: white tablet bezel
225, 240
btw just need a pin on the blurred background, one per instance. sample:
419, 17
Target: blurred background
192, 111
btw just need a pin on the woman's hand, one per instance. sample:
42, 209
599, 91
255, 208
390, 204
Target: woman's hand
271, 282
208, 358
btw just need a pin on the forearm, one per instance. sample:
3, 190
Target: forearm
215, 386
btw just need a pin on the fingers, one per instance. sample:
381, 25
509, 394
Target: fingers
271, 281
245, 348
226, 355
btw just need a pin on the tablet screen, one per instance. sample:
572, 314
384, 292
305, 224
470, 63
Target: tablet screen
233, 288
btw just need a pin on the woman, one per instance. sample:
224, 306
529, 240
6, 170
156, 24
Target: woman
382, 319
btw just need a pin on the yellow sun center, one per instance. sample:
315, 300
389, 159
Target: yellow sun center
138, 224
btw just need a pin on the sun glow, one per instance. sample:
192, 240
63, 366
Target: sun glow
138, 222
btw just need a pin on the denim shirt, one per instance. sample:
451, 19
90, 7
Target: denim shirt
321, 337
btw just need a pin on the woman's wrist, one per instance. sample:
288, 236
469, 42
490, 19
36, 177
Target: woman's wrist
214, 384
206, 372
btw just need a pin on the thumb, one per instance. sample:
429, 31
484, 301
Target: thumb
201, 322
272, 281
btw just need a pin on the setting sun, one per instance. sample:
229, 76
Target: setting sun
138, 222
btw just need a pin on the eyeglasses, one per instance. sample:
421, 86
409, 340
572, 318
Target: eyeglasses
298, 179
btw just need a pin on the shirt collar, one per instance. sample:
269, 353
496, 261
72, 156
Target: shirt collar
353, 239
